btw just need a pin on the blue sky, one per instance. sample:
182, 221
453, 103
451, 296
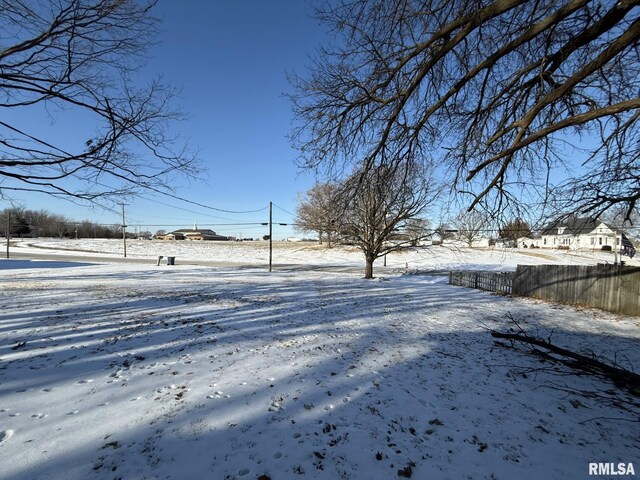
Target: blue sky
230, 60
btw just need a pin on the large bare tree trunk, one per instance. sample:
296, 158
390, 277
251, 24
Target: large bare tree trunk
368, 266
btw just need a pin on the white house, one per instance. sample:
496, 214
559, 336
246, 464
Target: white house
481, 242
576, 234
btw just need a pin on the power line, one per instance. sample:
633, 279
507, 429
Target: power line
137, 224
185, 209
285, 211
203, 205
171, 195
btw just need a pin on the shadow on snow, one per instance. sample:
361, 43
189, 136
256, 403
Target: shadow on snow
310, 373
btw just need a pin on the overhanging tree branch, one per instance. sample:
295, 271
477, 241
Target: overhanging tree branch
490, 90
78, 56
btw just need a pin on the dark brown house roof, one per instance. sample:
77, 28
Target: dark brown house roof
573, 226
205, 233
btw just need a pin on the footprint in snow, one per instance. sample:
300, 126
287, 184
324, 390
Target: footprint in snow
244, 471
218, 395
39, 415
87, 380
5, 435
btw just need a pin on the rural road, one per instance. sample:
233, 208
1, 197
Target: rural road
16, 254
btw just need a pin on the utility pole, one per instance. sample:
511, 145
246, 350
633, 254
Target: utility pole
270, 235
8, 230
124, 232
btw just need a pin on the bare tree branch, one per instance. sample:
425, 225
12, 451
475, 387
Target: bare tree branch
491, 91
76, 57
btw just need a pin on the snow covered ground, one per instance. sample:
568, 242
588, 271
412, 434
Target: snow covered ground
448, 257
156, 372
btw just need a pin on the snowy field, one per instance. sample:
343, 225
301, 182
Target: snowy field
137, 371
448, 257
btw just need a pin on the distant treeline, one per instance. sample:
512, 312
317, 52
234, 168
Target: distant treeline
20, 222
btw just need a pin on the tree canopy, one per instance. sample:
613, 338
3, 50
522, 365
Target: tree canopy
490, 89
369, 208
317, 211
78, 58
471, 226
515, 229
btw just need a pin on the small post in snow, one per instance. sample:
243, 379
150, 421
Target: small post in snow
124, 232
270, 235
8, 230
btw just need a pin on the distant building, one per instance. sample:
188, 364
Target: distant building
169, 236
576, 234
196, 234
481, 242
199, 234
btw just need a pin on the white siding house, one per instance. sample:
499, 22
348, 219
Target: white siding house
577, 234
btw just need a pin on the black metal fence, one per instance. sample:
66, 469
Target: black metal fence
499, 282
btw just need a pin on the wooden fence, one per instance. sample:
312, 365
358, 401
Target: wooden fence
500, 282
609, 287
613, 288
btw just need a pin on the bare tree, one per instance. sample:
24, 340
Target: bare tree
75, 58
471, 225
445, 232
60, 226
621, 218
42, 223
515, 229
376, 202
317, 211
417, 229
499, 85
